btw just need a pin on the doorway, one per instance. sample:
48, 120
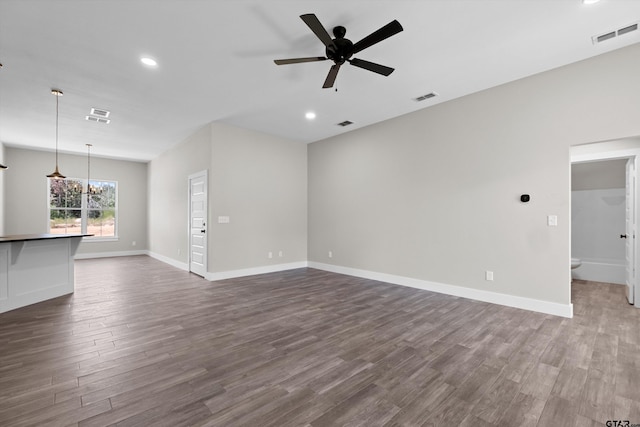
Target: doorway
624, 202
198, 198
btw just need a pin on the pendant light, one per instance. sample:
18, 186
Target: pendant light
56, 174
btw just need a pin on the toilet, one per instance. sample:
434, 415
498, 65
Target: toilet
575, 263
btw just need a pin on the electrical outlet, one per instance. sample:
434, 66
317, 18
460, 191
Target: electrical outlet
179, 251
280, 254
488, 275
270, 255
133, 243
330, 254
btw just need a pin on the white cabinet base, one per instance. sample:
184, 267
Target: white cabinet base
35, 269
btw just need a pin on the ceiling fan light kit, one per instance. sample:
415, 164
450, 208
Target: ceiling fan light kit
340, 49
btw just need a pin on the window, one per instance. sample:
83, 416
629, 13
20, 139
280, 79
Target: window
74, 210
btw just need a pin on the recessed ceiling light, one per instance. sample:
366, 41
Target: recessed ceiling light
310, 115
590, 1
149, 61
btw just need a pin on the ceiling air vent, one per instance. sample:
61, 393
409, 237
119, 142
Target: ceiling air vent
615, 33
345, 123
97, 119
628, 29
427, 96
99, 112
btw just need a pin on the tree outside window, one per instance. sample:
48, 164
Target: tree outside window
76, 208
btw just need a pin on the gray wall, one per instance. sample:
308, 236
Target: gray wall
25, 203
259, 181
168, 194
434, 195
598, 175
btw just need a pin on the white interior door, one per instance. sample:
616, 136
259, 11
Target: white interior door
630, 220
198, 223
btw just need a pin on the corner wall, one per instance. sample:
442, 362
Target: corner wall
168, 196
433, 196
258, 181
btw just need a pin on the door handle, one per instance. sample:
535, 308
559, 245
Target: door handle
623, 236
203, 231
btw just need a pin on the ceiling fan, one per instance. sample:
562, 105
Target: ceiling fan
340, 50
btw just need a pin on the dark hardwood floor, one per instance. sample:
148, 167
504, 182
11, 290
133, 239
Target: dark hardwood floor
142, 343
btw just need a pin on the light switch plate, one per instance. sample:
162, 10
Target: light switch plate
223, 220
552, 220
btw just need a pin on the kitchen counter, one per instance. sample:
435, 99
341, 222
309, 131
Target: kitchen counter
36, 267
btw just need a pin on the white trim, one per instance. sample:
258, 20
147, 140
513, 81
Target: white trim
231, 274
98, 239
605, 155
177, 264
109, 254
547, 307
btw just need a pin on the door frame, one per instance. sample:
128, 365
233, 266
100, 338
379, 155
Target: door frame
614, 155
630, 246
204, 174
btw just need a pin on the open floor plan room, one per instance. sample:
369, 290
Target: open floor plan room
144, 343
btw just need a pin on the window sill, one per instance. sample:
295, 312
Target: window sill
100, 239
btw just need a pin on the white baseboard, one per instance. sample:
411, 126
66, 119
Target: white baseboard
231, 274
177, 264
606, 271
90, 255
564, 310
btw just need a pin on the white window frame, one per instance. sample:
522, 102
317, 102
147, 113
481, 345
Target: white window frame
83, 209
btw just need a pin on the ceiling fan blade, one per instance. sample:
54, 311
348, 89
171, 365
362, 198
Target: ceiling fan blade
385, 32
371, 66
299, 60
331, 77
313, 22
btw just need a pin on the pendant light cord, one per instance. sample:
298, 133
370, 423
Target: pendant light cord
88, 172
57, 100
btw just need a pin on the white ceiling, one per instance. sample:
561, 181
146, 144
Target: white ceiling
216, 63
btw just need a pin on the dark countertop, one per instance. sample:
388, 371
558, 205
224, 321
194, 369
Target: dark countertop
24, 237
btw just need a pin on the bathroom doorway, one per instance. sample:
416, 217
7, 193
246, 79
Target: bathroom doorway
604, 215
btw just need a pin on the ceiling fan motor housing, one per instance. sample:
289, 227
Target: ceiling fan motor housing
343, 49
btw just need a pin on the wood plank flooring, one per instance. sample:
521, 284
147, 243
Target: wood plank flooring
143, 344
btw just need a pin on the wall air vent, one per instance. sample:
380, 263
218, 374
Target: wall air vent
614, 33
345, 123
427, 96
100, 112
97, 119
